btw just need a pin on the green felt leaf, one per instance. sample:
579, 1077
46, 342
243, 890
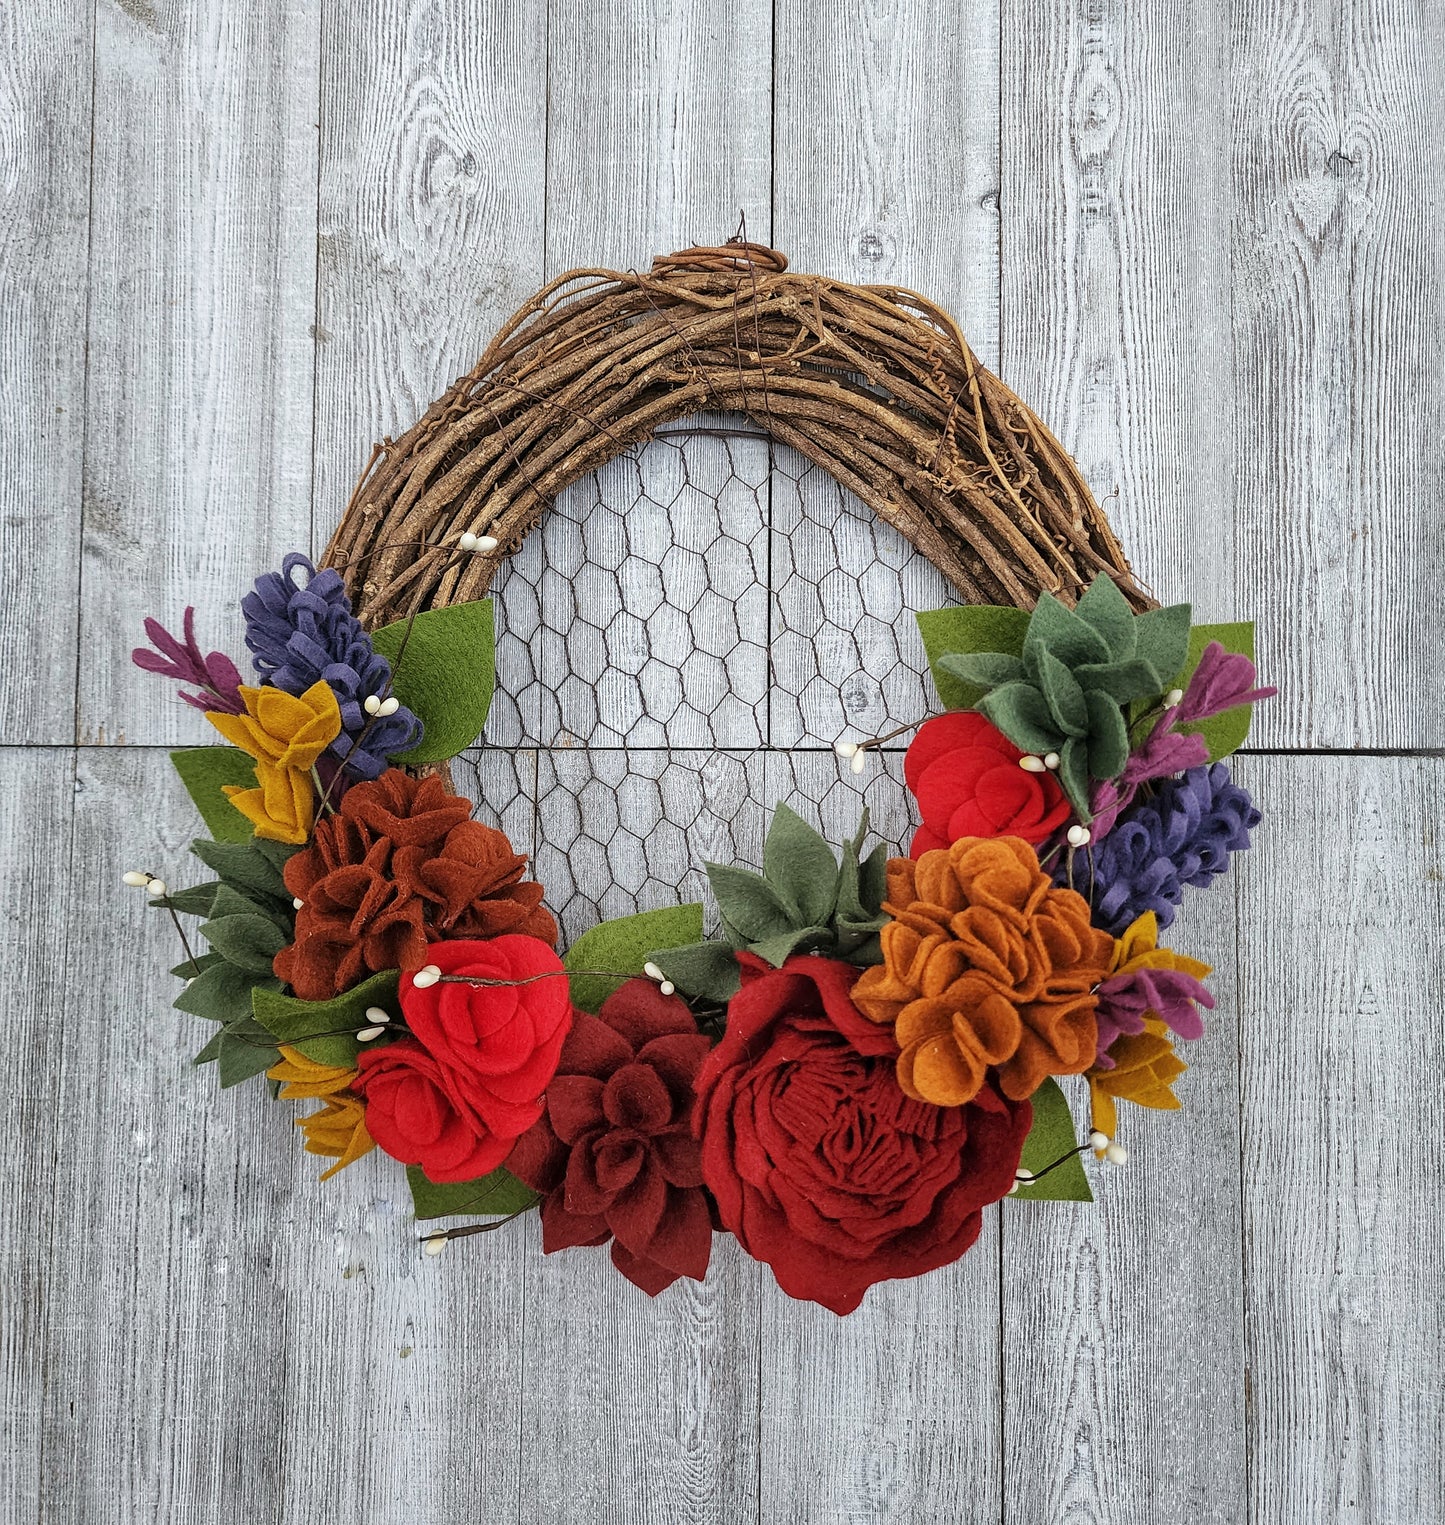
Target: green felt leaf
749, 904
249, 941
203, 771
253, 867
325, 1030
1058, 630
1108, 737
1074, 776
778, 950
859, 942
1062, 693
243, 1049
220, 993
1052, 1134
1162, 637
189, 968
212, 1050
975, 628
195, 901
497, 1195
1224, 733
1124, 682
873, 879
227, 901
445, 675
1105, 608
1022, 713
800, 866
625, 945
708, 970
983, 670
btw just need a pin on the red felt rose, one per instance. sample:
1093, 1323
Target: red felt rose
614, 1155
818, 1162
418, 1115
492, 1048
966, 777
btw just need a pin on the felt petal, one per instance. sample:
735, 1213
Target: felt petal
564, 1230
574, 1106
594, 1048
645, 1274
682, 1241
636, 1098
635, 1215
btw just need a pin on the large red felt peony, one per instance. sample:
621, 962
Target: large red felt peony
615, 1155
492, 1048
966, 777
818, 1162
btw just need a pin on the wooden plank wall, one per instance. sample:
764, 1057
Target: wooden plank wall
239, 244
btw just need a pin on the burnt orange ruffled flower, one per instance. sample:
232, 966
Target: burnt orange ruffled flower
400, 864
985, 965
338, 1131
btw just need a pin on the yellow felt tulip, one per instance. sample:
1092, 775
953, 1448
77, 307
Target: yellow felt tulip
283, 805
281, 729
338, 1130
1145, 1069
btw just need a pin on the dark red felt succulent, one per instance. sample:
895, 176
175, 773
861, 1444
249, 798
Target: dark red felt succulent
614, 1155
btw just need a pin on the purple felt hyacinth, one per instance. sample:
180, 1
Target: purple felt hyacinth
1183, 835
302, 632
215, 676
1169, 994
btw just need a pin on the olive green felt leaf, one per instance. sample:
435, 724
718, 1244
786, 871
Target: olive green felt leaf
326, 1030
444, 674
799, 865
497, 1195
976, 628
707, 970
1226, 732
204, 771
623, 946
1051, 1136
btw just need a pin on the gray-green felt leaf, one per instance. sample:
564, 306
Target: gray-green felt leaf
1162, 638
800, 866
1072, 640
1074, 776
1061, 691
749, 904
244, 1049
1021, 712
778, 950
983, 670
1105, 608
251, 866
220, 993
706, 969
249, 941
1124, 682
1108, 737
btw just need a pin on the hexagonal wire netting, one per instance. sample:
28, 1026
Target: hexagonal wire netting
678, 647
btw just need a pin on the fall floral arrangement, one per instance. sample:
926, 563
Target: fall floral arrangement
865, 1055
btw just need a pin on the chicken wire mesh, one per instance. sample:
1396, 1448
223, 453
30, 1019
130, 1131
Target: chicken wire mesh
678, 647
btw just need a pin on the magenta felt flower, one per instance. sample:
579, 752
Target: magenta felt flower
614, 1155
215, 675
1222, 681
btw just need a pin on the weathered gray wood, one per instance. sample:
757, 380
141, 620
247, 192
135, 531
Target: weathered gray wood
172, 1216
1342, 1007
35, 799
45, 67
432, 211
202, 295
1124, 1385
885, 122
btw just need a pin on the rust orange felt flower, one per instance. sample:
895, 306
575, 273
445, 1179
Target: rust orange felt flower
338, 1130
985, 965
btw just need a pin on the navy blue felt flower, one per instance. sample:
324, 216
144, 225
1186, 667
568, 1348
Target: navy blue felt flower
1183, 834
299, 631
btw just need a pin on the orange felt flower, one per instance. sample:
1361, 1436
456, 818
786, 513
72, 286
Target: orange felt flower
985, 965
281, 729
1144, 1072
338, 1130
282, 807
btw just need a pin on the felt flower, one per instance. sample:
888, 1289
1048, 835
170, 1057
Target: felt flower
1222, 681
285, 730
614, 1156
282, 805
816, 1159
215, 676
1147, 981
1184, 834
1143, 1070
338, 1130
399, 863
489, 1042
302, 632
966, 777
984, 965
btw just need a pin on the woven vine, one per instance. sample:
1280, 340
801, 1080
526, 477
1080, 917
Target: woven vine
874, 384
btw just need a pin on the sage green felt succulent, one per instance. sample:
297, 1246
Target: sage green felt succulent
1070, 689
804, 901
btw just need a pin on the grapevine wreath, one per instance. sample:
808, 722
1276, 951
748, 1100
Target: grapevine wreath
869, 1050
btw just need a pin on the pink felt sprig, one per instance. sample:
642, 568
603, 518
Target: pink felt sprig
215, 676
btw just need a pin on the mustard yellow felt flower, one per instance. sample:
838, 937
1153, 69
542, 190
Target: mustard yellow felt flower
281, 729
338, 1130
282, 807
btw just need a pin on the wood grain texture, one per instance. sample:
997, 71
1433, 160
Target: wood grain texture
202, 292
45, 67
1339, 321
1115, 258
34, 833
1342, 1015
886, 133
432, 214
1124, 1385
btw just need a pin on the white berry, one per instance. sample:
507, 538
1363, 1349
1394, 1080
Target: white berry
1078, 836
1116, 1154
